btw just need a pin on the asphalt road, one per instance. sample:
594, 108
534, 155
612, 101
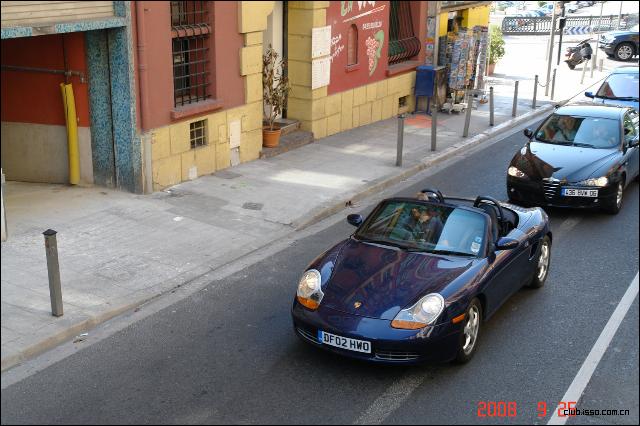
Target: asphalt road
228, 354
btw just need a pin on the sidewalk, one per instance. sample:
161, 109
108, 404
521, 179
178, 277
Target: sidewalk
117, 250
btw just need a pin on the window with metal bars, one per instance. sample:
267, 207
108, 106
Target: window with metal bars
190, 30
198, 133
403, 44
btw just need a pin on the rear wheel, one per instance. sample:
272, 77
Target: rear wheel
542, 270
624, 51
470, 333
615, 205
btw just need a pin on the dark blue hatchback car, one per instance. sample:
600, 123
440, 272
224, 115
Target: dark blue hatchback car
622, 45
418, 277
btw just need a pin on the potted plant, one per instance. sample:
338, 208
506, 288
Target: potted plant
496, 47
276, 87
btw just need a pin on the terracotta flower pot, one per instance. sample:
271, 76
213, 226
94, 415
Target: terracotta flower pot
270, 138
490, 69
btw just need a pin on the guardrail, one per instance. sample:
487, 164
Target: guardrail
524, 25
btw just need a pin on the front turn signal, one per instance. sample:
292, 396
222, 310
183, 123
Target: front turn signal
407, 325
308, 303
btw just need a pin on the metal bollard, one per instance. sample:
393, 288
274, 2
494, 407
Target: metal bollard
491, 106
55, 289
400, 140
584, 70
467, 116
553, 83
535, 92
434, 121
593, 65
600, 64
515, 99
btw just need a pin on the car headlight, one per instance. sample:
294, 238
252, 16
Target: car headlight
516, 172
601, 181
309, 292
425, 312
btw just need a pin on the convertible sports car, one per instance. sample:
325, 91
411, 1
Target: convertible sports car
418, 277
581, 156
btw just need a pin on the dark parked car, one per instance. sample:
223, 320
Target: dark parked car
418, 277
580, 156
622, 45
619, 88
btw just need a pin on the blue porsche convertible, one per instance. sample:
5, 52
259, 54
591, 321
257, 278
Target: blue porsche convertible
419, 276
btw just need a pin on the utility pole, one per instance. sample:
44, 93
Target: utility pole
550, 53
619, 15
562, 24
597, 36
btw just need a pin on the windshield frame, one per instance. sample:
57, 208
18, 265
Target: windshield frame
534, 137
482, 253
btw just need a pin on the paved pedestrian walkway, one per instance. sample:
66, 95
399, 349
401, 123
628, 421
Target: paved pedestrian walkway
117, 250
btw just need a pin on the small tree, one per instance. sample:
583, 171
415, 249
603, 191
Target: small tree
275, 84
496, 44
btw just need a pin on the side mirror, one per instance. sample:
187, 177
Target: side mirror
589, 95
528, 133
506, 243
634, 142
354, 219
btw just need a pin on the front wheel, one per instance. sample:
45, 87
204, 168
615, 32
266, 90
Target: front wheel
616, 204
624, 51
469, 337
542, 270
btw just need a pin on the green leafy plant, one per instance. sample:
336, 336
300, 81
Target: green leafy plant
496, 44
275, 85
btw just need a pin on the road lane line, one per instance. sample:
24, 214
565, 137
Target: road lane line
390, 400
599, 348
567, 225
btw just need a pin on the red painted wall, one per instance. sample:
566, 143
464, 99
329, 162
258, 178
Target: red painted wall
225, 44
372, 21
29, 97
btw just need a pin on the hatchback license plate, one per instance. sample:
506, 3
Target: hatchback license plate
344, 342
571, 192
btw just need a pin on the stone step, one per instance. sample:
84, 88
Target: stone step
289, 141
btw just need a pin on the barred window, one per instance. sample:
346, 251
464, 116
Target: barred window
190, 31
403, 44
198, 133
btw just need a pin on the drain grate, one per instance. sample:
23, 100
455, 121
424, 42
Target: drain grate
252, 206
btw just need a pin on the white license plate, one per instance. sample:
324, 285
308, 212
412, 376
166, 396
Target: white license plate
570, 192
344, 342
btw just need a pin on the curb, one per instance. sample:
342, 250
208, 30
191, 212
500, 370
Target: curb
338, 203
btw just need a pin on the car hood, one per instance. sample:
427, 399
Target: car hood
542, 160
614, 34
383, 280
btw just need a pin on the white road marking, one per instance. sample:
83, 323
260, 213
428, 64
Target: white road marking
566, 226
599, 348
390, 400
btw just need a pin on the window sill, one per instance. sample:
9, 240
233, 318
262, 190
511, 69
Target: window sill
402, 67
184, 111
351, 68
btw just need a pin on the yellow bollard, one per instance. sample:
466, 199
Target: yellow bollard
69, 104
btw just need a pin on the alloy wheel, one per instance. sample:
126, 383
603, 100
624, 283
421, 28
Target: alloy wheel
619, 195
625, 52
543, 261
471, 329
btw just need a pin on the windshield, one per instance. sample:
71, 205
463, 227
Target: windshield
421, 226
619, 86
589, 132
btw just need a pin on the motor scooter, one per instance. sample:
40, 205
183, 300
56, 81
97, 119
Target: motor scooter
578, 54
